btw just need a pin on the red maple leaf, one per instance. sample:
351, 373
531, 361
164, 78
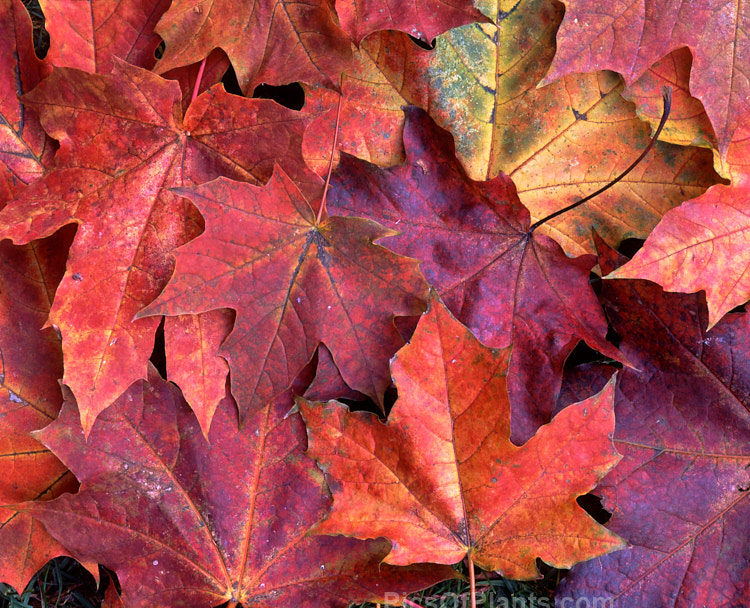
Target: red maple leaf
89, 35
267, 41
185, 520
683, 427
30, 365
191, 347
294, 282
423, 19
441, 478
123, 143
472, 239
24, 147
705, 242
629, 37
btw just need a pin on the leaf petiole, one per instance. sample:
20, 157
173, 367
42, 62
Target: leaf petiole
330, 163
667, 97
198, 79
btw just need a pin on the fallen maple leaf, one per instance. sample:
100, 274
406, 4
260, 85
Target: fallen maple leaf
192, 344
560, 142
186, 521
89, 35
328, 383
688, 123
704, 243
507, 285
385, 75
441, 478
630, 37
24, 147
30, 365
122, 144
423, 19
294, 282
267, 41
683, 427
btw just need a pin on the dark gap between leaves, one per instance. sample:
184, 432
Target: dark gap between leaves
427, 46
230, 82
290, 96
592, 504
629, 247
583, 354
159, 354
159, 51
40, 33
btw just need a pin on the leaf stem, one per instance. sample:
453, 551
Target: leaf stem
411, 604
472, 583
330, 162
198, 79
667, 97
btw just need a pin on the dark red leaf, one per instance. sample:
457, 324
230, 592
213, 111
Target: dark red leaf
683, 428
294, 283
186, 521
472, 239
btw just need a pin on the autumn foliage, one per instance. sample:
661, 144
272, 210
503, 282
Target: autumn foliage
363, 312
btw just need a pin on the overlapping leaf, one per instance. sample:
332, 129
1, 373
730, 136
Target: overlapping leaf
294, 283
30, 365
506, 285
191, 346
688, 123
630, 37
683, 427
705, 243
441, 478
89, 34
24, 147
271, 41
186, 521
123, 144
560, 142
385, 75
423, 19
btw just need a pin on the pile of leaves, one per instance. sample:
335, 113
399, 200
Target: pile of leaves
405, 244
